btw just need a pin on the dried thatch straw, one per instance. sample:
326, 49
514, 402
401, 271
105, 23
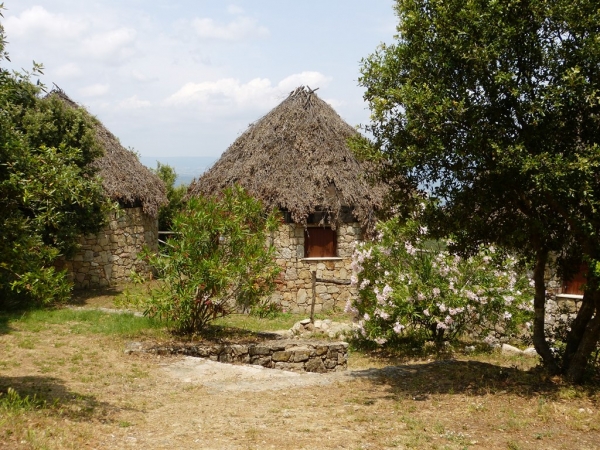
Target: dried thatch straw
124, 178
297, 158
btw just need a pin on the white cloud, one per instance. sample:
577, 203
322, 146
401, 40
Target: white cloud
74, 36
134, 103
69, 70
306, 78
37, 21
335, 104
111, 46
94, 90
258, 93
237, 30
141, 77
224, 91
234, 9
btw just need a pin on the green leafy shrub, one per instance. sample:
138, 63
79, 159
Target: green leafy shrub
217, 262
175, 195
49, 194
267, 310
409, 285
13, 401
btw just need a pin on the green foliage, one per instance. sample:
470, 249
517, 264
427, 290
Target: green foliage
218, 261
408, 285
175, 195
12, 401
364, 149
48, 192
267, 310
493, 108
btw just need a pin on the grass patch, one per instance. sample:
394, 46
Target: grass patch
86, 321
12, 401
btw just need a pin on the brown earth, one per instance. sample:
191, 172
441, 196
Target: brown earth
98, 397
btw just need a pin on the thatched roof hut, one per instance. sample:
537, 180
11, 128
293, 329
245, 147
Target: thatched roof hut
297, 158
124, 178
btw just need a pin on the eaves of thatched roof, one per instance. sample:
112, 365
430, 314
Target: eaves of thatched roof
297, 158
124, 178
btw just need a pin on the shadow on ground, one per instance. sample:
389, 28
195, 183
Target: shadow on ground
227, 335
5, 327
40, 392
419, 381
95, 297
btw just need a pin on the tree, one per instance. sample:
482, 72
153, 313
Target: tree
218, 260
175, 195
492, 107
49, 194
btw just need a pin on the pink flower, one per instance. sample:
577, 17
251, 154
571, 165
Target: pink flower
398, 327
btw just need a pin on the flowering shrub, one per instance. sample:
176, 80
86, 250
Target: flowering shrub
407, 284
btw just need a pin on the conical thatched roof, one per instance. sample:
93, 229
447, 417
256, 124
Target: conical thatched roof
297, 158
124, 178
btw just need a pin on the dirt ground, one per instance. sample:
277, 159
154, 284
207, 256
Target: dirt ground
99, 397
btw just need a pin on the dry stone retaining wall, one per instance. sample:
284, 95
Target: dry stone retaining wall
291, 355
109, 257
294, 289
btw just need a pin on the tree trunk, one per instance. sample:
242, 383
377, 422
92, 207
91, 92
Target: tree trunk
574, 367
580, 324
539, 307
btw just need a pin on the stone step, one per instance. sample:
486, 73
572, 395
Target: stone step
291, 355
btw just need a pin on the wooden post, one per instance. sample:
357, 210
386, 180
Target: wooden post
314, 297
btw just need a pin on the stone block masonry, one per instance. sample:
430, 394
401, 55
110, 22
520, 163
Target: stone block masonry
109, 257
294, 288
291, 355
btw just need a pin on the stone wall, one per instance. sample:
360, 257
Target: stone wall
291, 355
109, 257
294, 288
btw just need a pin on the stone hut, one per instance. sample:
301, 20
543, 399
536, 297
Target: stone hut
296, 158
110, 257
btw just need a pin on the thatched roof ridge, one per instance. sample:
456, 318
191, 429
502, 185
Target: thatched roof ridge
296, 157
124, 178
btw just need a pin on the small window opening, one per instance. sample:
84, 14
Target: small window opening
319, 242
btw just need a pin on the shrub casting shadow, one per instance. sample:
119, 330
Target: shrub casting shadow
50, 393
463, 377
5, 327
228, 335
81, 296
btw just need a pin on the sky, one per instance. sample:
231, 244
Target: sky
183, 78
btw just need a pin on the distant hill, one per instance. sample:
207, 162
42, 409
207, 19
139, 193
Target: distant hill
187, 167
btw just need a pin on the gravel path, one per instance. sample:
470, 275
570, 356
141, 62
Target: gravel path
221, 377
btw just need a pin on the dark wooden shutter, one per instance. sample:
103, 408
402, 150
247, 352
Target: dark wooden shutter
319, 242
575, 285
